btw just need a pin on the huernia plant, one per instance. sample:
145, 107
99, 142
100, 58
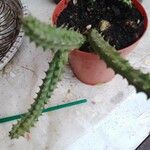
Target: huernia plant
61, 41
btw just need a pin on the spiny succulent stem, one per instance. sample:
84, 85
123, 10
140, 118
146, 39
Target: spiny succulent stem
121, 66
53, 75
49, 37
53, 38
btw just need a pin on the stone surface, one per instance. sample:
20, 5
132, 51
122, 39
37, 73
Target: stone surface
115, 117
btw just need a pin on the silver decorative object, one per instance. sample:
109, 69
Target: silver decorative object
11, 33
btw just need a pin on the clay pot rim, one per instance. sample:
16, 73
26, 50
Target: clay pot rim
137, 4
84, 53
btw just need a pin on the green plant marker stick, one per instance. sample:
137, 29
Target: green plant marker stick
70, 104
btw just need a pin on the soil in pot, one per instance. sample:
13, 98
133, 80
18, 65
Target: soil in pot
56, 1
120, 24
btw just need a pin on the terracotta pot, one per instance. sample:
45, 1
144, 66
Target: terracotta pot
88, 67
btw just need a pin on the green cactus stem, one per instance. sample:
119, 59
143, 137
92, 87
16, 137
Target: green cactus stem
53, 75
121, 66
49, 37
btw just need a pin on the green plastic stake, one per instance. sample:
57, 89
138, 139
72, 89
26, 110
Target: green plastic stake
70, 104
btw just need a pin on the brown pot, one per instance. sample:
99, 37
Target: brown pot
88, 67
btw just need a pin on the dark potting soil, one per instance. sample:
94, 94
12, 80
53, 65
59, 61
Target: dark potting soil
119, 23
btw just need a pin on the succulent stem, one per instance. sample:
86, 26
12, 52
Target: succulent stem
121, 66
49, 37
53, 75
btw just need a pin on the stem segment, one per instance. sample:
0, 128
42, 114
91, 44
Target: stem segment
121, 66
53, 75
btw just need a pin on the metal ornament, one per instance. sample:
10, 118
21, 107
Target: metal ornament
11, 33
